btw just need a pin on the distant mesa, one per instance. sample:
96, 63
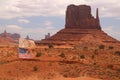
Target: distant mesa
81, 28
14, 36
47, 36
27, 37
8, 38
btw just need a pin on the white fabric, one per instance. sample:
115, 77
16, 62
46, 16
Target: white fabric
24, 43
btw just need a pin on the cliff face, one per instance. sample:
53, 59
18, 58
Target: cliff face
81, 28
80, 17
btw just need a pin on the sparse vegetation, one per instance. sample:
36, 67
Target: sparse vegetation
62, 55
38, 54
101, 46
110, 47
50, 46
82, 56
110, 66
118, 70
65, 75
70, 66
45, 49
85, 48
35, 68
93, 56
33, 50
9, 54
96, 67
117, 53
94, 63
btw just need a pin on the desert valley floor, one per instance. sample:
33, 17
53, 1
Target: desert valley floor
53, 63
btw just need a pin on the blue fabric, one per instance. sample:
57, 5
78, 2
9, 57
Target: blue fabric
22, 51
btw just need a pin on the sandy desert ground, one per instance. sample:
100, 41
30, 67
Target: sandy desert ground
61, 64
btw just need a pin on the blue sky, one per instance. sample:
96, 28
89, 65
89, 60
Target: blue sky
37, 18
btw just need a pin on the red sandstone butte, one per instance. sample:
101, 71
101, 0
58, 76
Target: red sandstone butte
81, 17
81, 28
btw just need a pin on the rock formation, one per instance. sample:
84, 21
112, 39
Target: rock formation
9, 39
80, 17
81, 28
14, 36
47, 36
27, 37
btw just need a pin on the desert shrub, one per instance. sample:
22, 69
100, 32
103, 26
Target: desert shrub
65, 75
38, 54
110, 66
85, 48
117, 53
94, 63
93, 56
82, 56
62, 55
9, 54
118, 70
45, 49
101, 46
33, 50
50, 46
35, 68
96, 51
110, 47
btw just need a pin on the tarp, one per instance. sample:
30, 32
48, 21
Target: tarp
25, 43
25, 48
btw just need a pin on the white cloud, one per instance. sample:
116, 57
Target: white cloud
23, 21
13, 27
27, 8
8, 9
107, 8
48, 25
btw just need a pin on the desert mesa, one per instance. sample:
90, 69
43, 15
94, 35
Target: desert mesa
81, 28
